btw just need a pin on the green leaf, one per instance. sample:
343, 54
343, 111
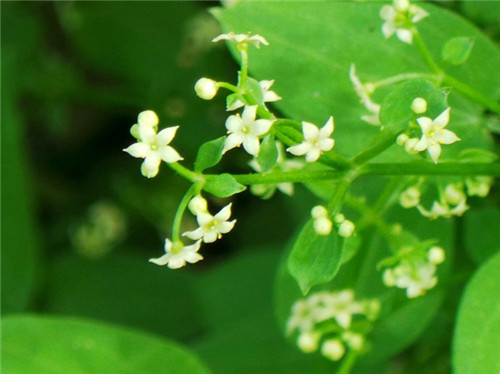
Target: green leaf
395, 111
476, 341
482, 226
457, 50
350, 247
223, 185
254, 90
48, 345
209, 154
268, 154
314, 259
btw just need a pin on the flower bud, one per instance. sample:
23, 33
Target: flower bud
333, 349
353, 340
206, 88
322, 226
410, 146
389, 278
148, 118
436, 255
454, 194
308, 341
339, 218
346, 229
197, 205
419, 105
402, 139
319, 211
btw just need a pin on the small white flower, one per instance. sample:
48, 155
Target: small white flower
153, 147
410, 197
316, 141
434, 134
247, 130
399, 18
478, 186
212, 227
242, 39
416, 277
177, 254
333, 349
363, 91
454, 193
268, 96
453, 202
301, 317
419, 105
206, 88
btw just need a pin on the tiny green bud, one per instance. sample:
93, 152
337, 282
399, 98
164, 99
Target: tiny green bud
402, 139
339, 218
410, 146
206, 88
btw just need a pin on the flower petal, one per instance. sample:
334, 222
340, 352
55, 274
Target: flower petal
299, 149
327, 130
443, 118
224, 213
166, 135
234, 123
163, 260
139, 150
146, 133
251, 145
150, 166
249, 114
325, 144
309, 130
434, 152
405, 35
448, 137
313, 155
261, 126
425, 124
232, 141
169, 155
195, 234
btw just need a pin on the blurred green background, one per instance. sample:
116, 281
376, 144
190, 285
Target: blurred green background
79, 221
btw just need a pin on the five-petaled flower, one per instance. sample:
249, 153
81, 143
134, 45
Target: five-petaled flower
177, 254
434, 134
242, 39
247, 130
316, 141
151, 146
211, 227
399, 18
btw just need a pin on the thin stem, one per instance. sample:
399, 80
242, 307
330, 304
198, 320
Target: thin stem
244, 67
385, 140
185, 172
335, 204
429, 60
421, 168
228, 86
348, 362
176, 226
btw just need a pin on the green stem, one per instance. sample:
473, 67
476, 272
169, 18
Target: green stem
386, 138
445, 168
185, 172
348, 362
176, 226
287, 176
228, 86
404, 77
244, 67
429, 60
335, 204
471, 93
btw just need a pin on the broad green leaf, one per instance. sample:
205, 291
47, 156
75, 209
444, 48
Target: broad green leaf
48, 345
223, 185
477, 155
457, 50
268, 154
476, 342
20, 257
127, 290
209, 154
482, 228
314, 259
254, 90
320, 40
395, 112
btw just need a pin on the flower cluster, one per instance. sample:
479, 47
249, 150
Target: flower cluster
400, 18
452, 202
433, 132
153, 147
333, 320
414, 269
210, 229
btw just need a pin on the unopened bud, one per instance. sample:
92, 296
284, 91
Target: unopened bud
308, 341
333, 349
148, 118
206, 88
319, 211
346, 229
197, 205
410, 197
436, 255
402, 139
322, 226
419, 105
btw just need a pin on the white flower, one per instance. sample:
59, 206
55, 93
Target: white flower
177, 254
399, 18
441, 209
246, 130
419, 105
434, 134
436, 255
153, 147
333, 349
410, 197
242, 39
415, 277
308, 341
267, 95
363, 91
206, 88
301, 317
211, 227
478, 186
316, 141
